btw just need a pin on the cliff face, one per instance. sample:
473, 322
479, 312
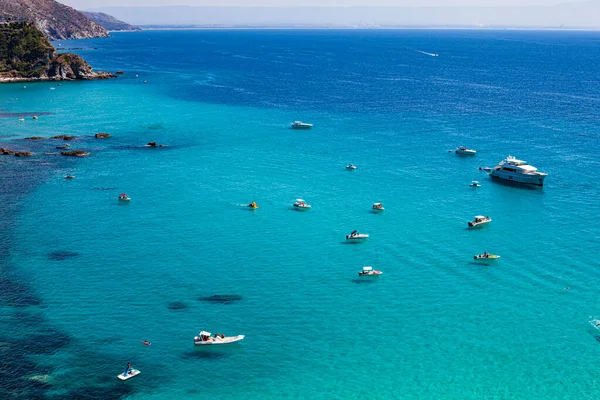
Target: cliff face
109, 22
55, 20
25, 54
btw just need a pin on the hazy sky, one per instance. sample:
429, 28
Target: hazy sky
84, 4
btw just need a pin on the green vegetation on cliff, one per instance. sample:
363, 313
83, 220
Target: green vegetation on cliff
24, 49
25, 54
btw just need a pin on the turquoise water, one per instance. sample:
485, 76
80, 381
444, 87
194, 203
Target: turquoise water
434, 325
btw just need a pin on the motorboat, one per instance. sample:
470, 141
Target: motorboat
350, 166
486, 256
124, 197
355, 235
475, 184
369, 271
253, 205
69, 177
205, 338
462, 150
595, 323
301, 125
377, 207
479, 220
130, 373
513, 170
300, 204
485, 169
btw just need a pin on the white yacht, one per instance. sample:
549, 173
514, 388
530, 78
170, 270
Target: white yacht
301, 125
475, 184
300, 204
369, 271
479, 220
513, 170
350, 166
355, 235
377, 207
205, 338
464, 151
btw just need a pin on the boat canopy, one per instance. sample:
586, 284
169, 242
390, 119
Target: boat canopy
300, 200
475, 182
479, 217
123, 195
376, 204
204, 333
367, 268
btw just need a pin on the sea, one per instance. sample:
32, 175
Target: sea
84, 278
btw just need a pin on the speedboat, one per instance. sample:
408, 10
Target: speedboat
355, 235
513, 170
205, 338
479, 220
301, 125
369, 271
377, 207
128, 374
464, 151
69, 177
253, 205
485, 169
475, 184
350, 166
486, 256
595, 323
124, 197
300, 204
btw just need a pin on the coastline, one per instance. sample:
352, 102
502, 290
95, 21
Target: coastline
97, 77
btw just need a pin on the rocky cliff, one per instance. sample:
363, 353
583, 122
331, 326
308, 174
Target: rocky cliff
26, 55
55, 20
109, 22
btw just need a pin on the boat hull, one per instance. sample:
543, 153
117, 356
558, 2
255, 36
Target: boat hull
466, 152
526, 179
357, 237
217, 341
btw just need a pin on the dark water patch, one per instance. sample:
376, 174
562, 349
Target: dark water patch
177, 305
61, 255
154, 127
204, 354
48, 342
16, 294
114, 391
23, 114
221, 298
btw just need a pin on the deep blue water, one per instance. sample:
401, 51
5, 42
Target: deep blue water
91, 278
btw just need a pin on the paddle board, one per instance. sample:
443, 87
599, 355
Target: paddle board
130, 375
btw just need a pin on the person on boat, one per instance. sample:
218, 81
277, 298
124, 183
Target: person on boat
147, 343
127, 370
485, 254
353, 233
222, 336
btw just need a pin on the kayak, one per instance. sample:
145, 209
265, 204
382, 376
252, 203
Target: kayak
130, 374
146, 343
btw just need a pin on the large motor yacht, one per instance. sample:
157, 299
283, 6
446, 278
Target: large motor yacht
513, 170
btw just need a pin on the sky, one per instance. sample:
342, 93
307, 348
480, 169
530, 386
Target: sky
87, 4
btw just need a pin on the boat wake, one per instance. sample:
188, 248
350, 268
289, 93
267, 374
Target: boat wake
427, 54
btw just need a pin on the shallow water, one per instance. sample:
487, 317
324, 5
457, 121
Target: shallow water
97, 277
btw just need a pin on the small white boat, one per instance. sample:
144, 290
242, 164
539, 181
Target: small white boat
206, 339
124, 197
301, 125
595, 323
479, 220
475, 184
486, 256
464, 151
130, 374
377, 207
52, 88
369, 271
69, 177
485, 169
300, 204
350, 166
355, 235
